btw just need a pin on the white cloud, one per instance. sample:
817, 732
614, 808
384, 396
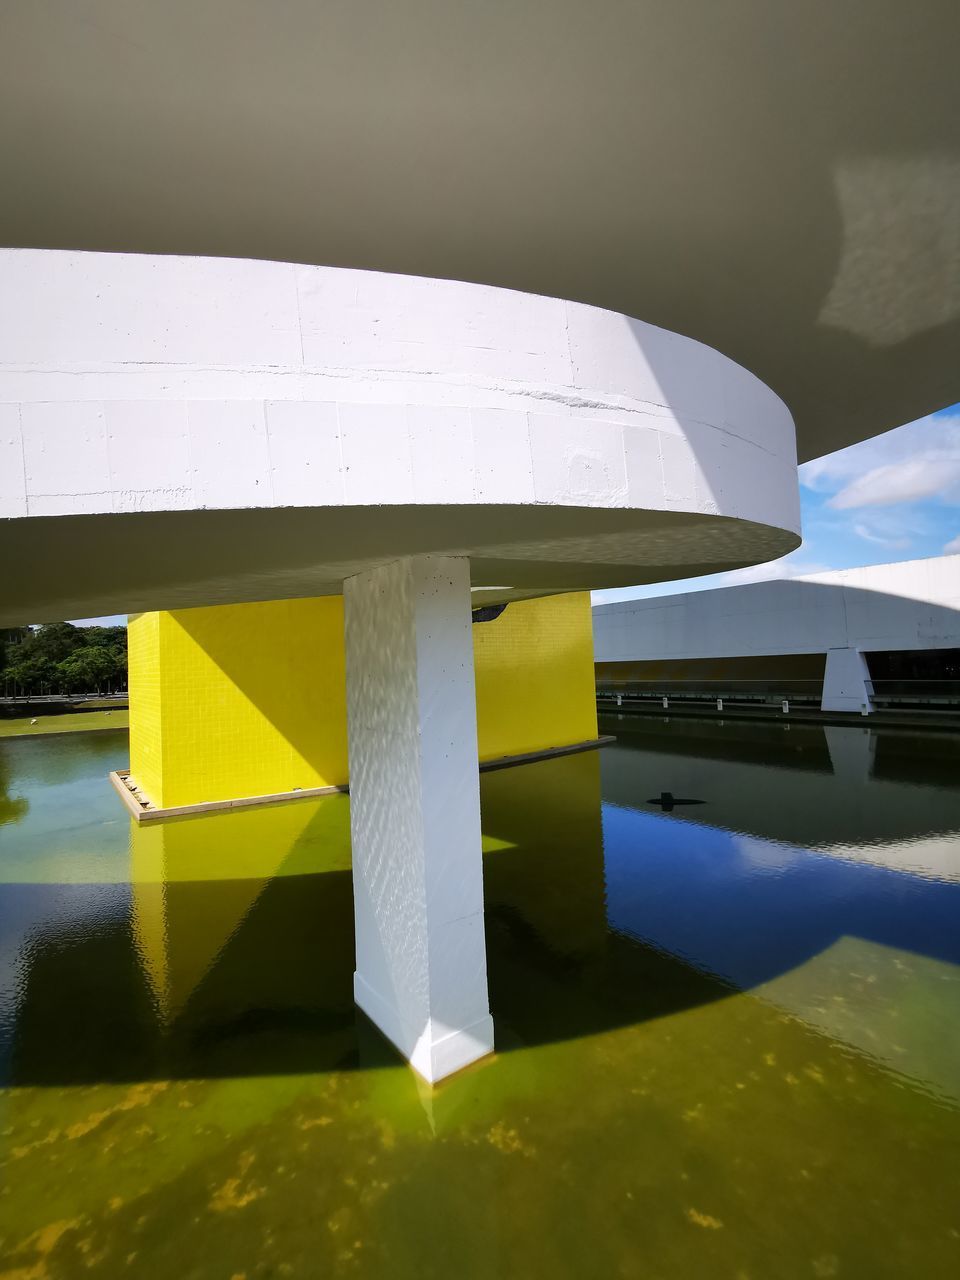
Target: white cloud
912, 463
869, 535
952, 547
766, 855
936, 475
785, 567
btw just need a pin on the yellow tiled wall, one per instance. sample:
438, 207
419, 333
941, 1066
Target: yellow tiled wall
252, 700
241, 700
534, 673
143, 663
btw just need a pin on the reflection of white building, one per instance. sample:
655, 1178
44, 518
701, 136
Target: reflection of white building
862, 623
841, 790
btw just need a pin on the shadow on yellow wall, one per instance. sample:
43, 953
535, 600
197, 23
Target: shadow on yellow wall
246, 700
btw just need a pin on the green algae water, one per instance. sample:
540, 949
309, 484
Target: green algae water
728, 1034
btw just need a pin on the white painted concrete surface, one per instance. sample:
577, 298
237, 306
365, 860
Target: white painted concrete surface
415, 811
260, 395
910, 605
846, 682
778, 180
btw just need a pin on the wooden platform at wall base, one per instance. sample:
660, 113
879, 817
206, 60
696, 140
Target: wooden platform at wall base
142, 808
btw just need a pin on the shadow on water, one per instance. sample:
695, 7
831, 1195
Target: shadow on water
277, 997
187, 971
195, 974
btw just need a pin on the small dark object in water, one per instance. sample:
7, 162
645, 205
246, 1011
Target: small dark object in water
487, 612
667, 800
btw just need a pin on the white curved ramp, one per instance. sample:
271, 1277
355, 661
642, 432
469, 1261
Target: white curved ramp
181, 431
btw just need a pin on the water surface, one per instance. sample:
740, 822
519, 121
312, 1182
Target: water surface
728, 1035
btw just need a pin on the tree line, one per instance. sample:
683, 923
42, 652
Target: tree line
61, 658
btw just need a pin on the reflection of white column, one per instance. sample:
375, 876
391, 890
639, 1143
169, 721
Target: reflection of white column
846, 682
851, 753
415, 811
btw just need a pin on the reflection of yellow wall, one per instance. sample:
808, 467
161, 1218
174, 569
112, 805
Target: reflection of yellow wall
194, 883
549, 818
241, 700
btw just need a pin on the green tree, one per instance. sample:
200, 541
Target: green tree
33, 673
100, 664
55, 640
60, 657
10, 638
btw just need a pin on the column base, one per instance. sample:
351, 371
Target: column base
846, 682
436, 1050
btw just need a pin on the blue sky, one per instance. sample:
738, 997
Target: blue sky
895, 497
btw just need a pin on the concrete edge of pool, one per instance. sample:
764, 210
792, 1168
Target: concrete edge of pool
141, 809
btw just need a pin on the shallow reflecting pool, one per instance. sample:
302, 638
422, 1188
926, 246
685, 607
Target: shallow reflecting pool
728, 1032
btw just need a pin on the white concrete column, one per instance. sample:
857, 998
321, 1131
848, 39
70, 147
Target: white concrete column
846, 682
415, 811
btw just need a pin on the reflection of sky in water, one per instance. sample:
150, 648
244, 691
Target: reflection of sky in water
865, 953
747, 909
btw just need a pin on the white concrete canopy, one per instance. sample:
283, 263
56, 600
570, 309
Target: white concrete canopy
780, 181
183, 431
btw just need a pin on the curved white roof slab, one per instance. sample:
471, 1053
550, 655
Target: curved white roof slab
178, 431
780, 181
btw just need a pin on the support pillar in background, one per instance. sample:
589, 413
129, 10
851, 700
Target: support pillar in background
846, 682
421, 972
